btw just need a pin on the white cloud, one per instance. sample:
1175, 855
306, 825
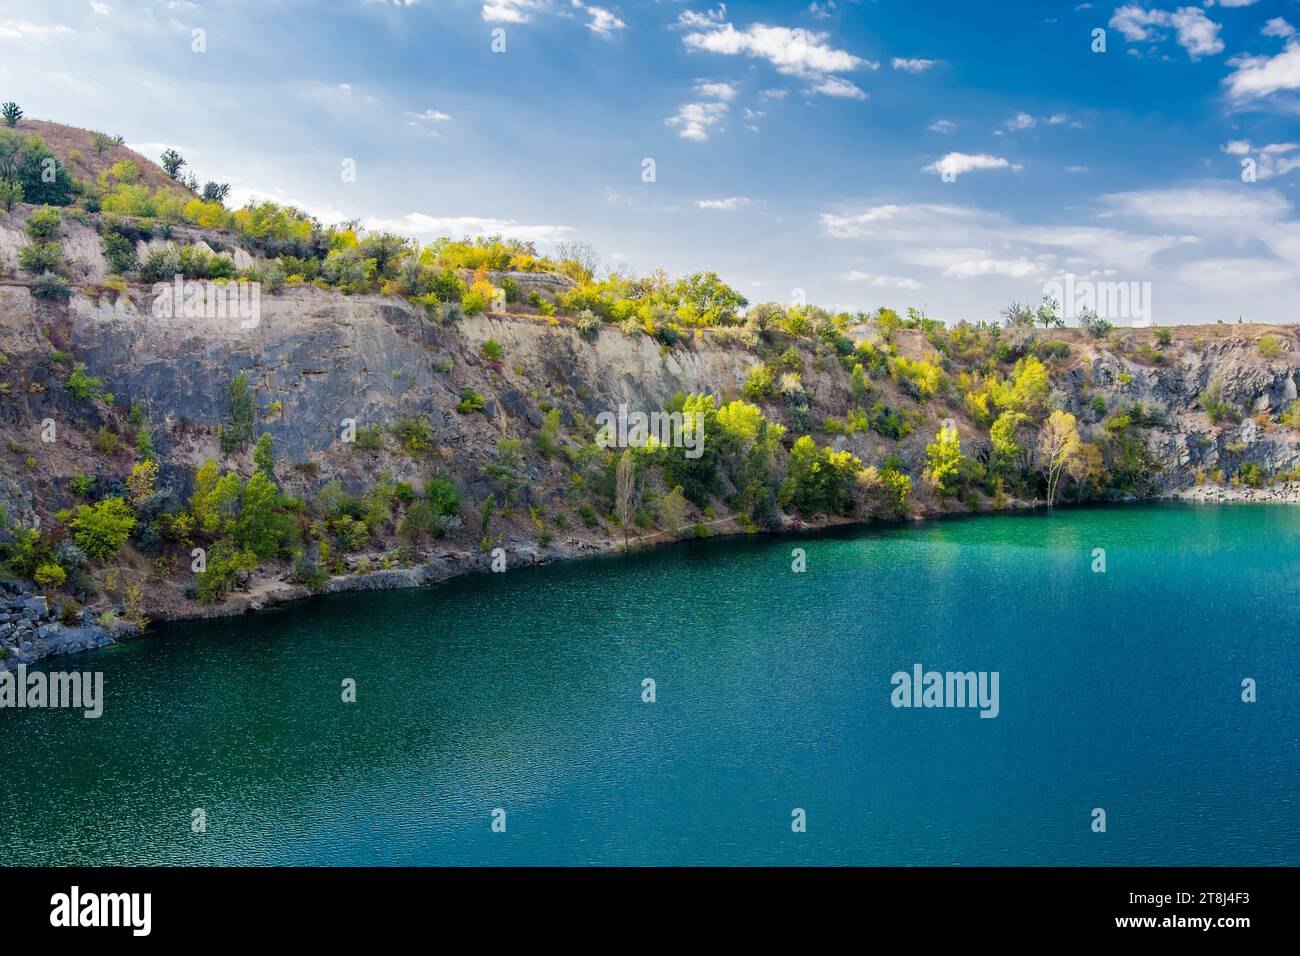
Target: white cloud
1278, 27
26, 30
603, 22
1197, 34
1198, 204
792, 51
838, 86
1011, 268
429, 116
1234, 273
426, 121
1135, 22
957, 164
1020, 121
942, 126
913, 65
716, 91
1207, 246
796, 52
730, 204
1260, 76
695, 119
419, 224
1271, 160
882, 282
512, 11
774, 94
891, 221
101, 9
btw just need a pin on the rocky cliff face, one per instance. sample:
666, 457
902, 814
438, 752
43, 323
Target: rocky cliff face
323, 365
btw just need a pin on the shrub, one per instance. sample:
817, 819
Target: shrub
760, 382
82, 386
1269, 347
51, 287
40, 257
1095, 324
588, 324
470, 402
50, 575
237, 432
101, 529
119, 251
442, 496
897, 488
415, 436
227, 568
491, 350
369, 439
1216, 406
307, 570
1251, 474
44, 224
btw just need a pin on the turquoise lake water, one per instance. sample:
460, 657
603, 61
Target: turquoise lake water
523, 691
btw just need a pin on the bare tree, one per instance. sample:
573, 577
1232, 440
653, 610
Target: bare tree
581, 254
1059, 450
625, 481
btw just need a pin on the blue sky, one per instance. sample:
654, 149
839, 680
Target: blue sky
796, 146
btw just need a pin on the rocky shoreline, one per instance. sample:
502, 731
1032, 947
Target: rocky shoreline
31, 629
1285, 493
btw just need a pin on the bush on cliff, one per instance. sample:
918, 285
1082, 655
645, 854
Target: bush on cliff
101, 529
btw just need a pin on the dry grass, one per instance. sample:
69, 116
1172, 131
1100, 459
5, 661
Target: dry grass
66, 141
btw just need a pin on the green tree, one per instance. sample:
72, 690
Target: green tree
897, 489
672, 511
226, 568
43, 178
707, 300
259, 527
1008, 448
101, 529
11, 194
823, 479
238, 431
215, 192
172, 163
205, 480
946, 460
264, 456
442, 496
11, 113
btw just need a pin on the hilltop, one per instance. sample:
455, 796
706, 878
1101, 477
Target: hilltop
385, 413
